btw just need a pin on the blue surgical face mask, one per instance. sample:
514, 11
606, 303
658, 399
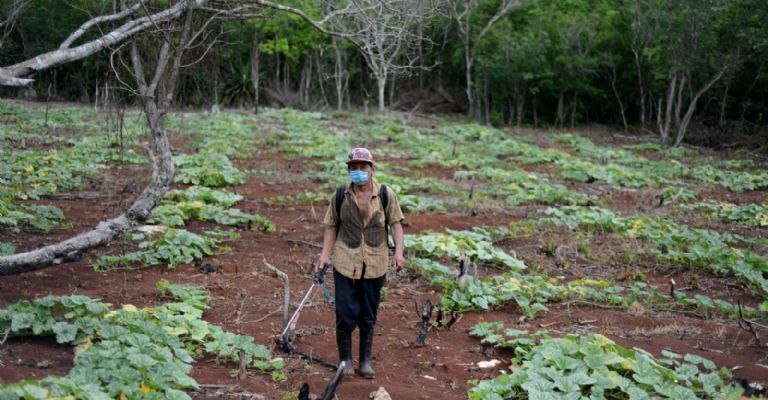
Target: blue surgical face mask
358, 177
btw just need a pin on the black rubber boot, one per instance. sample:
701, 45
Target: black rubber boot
366, 343
344, 342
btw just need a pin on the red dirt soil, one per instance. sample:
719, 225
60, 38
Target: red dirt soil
246, 296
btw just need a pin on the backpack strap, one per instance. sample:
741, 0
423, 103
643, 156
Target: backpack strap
384, 197
339, 199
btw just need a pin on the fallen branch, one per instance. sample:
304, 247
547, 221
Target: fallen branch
330, 390
303, 243
287, 287
425, 316
266, 316
243, 373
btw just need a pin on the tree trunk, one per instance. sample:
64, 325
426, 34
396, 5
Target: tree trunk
305, 81
470, 95
381, 82
618, 99
520, 105
487, 102
724, 103
338, 76
392, 83
665, 119
321, 80
141, 209
560, 117
255, 71
640, 86
574, 107
692, 106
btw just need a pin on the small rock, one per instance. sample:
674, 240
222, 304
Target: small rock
380, 394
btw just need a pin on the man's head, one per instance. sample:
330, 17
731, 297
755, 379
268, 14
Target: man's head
360, 165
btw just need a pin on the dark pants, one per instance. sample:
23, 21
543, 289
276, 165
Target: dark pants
357, 301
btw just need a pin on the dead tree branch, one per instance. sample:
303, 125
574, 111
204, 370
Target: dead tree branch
13, 75
425, 316
287, 288
330, 390
97, 20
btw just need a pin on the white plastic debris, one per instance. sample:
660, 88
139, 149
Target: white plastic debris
488, 364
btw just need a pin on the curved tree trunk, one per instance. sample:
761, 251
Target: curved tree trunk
106, 231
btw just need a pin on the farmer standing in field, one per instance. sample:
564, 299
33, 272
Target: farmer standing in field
357, 216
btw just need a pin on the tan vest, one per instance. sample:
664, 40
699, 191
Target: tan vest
358, 243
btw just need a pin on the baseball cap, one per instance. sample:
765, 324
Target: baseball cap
359, 154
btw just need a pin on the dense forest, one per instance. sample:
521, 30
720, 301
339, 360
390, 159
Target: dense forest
682, 69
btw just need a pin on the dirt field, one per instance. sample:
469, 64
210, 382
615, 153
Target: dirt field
246, 298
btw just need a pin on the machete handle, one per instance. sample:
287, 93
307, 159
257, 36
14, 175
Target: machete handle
320, 277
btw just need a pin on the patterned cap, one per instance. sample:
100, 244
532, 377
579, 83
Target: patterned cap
359, 154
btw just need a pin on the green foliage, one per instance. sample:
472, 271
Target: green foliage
475, 244
207, 169
39, 217
302, 198
675, 243
749, 214
6, 249
591, 219
663, 151
127, 353
230, 134
736, 181
521, 187
205, 204
179, 213
175, 247
28, 172
677, 194
611, 174
206, 195
575, 366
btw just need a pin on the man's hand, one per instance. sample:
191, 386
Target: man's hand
399, 262
320, 262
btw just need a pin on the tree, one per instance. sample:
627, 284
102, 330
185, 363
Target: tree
463, 12
688, 56
155, 93
9, 13
386, 33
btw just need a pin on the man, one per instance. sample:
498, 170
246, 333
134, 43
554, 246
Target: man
360, 255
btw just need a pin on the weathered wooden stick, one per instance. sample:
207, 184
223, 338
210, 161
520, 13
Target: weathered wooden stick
287, 286
425, 316
243, 374
330, 390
